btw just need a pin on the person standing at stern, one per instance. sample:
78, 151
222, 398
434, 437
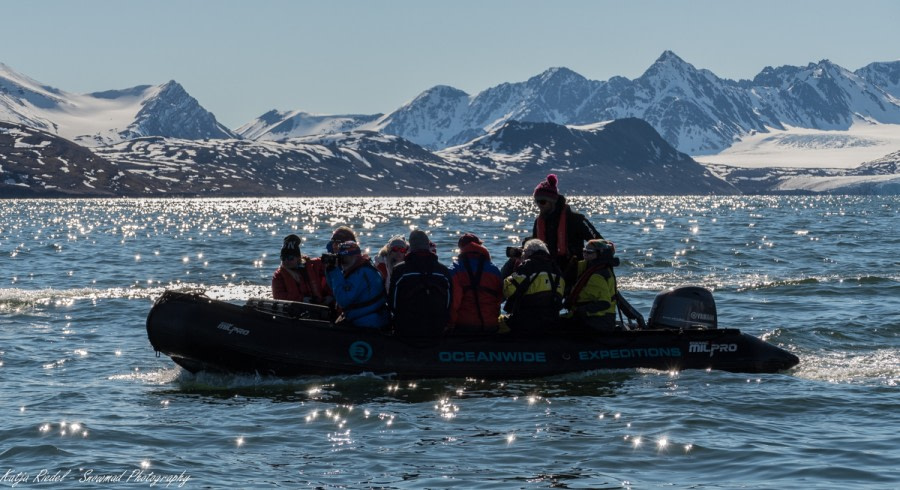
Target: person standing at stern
563, 230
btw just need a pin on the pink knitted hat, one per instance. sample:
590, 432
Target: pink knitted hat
547, 189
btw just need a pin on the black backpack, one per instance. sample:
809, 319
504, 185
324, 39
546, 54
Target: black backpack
422, 302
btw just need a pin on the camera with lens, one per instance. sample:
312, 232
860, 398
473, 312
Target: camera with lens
330, 260
513, 252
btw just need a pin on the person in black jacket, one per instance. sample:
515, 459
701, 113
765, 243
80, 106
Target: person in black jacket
420, 291
563, 230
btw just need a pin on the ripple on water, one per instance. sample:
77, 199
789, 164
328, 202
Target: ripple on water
33, 453
817, 275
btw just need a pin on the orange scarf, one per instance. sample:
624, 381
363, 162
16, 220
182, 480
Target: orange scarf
562, 248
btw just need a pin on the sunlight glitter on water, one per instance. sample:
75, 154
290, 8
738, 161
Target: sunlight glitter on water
80, 276
156, 377
209, 220
881, 367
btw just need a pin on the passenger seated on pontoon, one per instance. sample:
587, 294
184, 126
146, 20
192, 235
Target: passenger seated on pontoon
389, 256
420, 291
533, 292
592, 300
357, 287
300, 278
477, 288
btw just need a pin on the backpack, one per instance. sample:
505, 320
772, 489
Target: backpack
422, 302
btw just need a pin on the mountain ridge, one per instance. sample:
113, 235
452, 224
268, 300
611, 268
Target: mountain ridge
696, 111
106, 117
549, 121
617, 157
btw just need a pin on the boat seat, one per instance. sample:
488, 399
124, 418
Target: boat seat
290, 309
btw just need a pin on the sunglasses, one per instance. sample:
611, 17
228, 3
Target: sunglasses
541, 202
399, 249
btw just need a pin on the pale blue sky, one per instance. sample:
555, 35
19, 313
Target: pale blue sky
243, 58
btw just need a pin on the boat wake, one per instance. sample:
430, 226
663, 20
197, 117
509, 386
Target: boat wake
15, 300
871, 368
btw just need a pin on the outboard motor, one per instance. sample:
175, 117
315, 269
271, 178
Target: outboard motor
684, 308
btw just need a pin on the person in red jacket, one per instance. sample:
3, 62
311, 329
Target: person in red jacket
300, 278
477, 288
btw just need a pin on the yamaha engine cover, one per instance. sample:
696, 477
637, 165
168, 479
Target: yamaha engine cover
683, 308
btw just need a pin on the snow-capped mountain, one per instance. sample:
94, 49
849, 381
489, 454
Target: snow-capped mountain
696, 111
444, 116
106, 117
277, 125
823, 96
883, 75
501, 140
433, 119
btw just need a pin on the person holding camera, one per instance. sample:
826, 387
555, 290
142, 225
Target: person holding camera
340, 235
300, 278
533, 292
592, 300
357, 287
477, 288
563, 230
513, 258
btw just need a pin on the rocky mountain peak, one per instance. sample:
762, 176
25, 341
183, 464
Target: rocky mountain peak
556, 75
173, 113
669, 61
440, 92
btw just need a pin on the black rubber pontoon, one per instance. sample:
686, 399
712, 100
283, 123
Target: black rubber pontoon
285, 339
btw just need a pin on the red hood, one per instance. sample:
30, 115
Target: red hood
476, 249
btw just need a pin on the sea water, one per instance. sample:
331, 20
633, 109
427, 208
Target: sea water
86, 403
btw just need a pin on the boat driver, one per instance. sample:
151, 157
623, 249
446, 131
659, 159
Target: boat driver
563, 230
300, 278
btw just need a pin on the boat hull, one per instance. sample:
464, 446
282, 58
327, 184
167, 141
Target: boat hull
201, 334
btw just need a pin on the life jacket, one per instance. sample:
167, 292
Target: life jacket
562, 236
566, 240
310, 285
534, 294
382, 269
594, 295
477, 290
420, 295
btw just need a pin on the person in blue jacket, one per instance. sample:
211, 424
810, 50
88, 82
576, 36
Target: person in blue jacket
357, 288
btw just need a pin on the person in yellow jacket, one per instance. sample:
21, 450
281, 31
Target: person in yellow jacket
592, 300
533, 292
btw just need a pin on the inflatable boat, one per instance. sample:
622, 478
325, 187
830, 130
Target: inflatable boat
284, 338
